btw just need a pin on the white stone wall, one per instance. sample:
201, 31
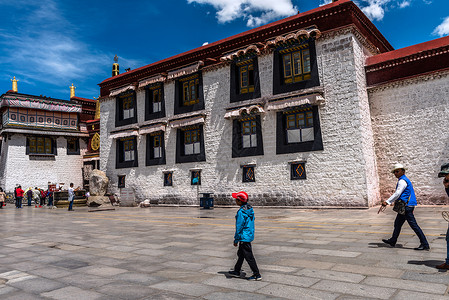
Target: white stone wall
410, 121
344, 173
26, 170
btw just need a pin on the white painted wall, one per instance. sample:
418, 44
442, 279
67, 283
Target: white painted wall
410, 120
26, 170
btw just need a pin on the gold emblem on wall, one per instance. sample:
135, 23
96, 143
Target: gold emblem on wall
95, 143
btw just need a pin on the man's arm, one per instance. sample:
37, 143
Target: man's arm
399, 190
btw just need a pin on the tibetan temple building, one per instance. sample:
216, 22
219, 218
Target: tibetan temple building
311, 110
45, 140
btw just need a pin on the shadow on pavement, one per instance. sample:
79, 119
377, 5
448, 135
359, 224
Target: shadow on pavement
228, 276
383, 245
427, 263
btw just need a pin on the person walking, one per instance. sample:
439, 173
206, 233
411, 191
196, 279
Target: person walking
244, 235
2, 198
404, 192
50, 198
71, 192
19, 196
29, 194
445, 173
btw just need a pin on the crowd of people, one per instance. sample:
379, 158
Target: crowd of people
33, 196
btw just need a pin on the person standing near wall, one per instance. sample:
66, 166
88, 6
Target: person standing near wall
19, 196
2, 198
71, 192
445, 173
405, 192
29, 194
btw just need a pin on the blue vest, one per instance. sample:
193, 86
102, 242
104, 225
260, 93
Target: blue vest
409, 192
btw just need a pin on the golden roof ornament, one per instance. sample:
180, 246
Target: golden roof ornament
14, 85
115, 67
72, 91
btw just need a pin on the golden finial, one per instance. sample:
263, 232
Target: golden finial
14, 85
115, 67
97, 109
72, 91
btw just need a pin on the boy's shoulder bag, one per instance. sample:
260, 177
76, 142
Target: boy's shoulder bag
399, 206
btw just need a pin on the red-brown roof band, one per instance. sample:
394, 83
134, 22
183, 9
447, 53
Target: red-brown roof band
327, 17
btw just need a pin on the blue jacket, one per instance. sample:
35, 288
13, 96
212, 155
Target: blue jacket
408, 195
244, 224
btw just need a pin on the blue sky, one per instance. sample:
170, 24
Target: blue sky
48, 45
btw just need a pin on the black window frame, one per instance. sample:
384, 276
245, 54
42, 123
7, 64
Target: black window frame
193, 175
237, 142
282, 147
76, 151
149, 113
235, 94
180, 108
54, 147
150, 160
279, 86
168, 178
245, 170
180, 156
293, 173
119, 121
120, 162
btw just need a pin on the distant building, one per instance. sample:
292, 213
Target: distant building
311, 110
43, 139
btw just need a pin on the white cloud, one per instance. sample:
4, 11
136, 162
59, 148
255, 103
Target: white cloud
324, 2
255, 12
404, 4
443, 28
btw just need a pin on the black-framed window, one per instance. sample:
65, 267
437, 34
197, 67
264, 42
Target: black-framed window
247, 137
126, 152
190, 144
298, 130
41, 145
155, 150
126, 108
168, 178
154, 102
248, 174
298, 170
189, 94
195, 177
295, 67
245, 82
73, 146
121, 181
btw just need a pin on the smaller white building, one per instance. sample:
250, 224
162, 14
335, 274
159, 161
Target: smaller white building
41, 141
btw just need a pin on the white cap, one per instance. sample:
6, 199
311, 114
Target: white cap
397, 166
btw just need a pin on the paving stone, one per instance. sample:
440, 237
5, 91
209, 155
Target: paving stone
419, 286
236, 296
354, 289
408, 295
85, 281
301, 263
23, 296
331, 275
334, 253
70, 264
435, 277
289, 279
239, 284
138, 278
72, 293
367, 270
126, 290
104, 271
294, 292
190, 289
36, 285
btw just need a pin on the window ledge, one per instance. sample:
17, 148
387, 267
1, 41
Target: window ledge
45, 155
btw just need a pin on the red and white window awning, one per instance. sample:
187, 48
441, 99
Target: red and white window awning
242, 111
151, 80
187, 122
278, 104
186, 70
122, 134
121, 90
152, 128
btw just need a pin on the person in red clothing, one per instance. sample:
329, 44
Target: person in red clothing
19, 196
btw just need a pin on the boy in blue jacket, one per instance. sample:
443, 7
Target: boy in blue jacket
244, 235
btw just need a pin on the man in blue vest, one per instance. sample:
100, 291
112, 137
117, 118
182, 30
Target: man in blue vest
404, 192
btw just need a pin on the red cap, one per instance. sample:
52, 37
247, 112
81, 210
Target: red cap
242, 196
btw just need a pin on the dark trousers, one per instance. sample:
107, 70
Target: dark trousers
50, 201
246, 252
410, 218
19, 202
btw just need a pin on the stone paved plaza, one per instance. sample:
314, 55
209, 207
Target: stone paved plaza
185, 252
